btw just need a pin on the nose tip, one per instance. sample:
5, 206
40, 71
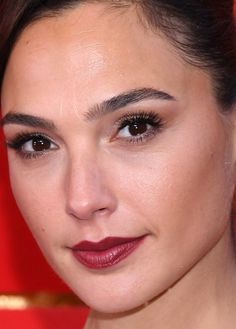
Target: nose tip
88, 210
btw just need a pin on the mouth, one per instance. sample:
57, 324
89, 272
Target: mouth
107, 252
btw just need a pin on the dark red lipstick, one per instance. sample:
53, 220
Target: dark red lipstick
105, 253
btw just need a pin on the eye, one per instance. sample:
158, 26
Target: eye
138, 127
32, 145
134, 129
37, 144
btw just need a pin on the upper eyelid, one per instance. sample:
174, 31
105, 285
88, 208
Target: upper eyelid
29, 136
145, 115
54, 136
138, 113
23, 138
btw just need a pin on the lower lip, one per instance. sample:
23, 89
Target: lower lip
107, 258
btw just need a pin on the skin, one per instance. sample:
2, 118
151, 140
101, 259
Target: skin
176, 186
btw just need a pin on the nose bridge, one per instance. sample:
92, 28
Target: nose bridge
87, 190
83, 175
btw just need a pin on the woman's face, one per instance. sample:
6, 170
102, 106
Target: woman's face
118, 137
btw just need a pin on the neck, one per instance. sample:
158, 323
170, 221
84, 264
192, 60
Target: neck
204, 298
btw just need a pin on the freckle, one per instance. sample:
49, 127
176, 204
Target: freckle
43, 229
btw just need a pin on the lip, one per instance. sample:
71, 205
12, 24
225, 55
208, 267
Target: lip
107, 252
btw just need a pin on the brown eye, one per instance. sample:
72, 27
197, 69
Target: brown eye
137, 128
30, 146
38, 144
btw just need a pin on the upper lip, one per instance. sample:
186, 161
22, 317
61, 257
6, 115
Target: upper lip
105, 244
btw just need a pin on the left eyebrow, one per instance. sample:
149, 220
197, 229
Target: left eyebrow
127, 98
27, 120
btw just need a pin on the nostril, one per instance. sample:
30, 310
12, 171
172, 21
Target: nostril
102, 210
87, 214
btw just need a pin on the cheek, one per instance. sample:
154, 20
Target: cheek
38, 195
183, 193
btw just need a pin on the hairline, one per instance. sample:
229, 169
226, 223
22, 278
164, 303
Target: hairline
165, 31
115, 5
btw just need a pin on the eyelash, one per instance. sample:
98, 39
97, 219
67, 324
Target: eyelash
21, 139
140, 118
150, 119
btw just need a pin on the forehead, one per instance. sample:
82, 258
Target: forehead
91, 48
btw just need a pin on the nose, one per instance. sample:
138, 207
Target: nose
89, 190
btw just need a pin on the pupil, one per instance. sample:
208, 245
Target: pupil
137, 129
40, 144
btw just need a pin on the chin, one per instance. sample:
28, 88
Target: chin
107, 301
112, 306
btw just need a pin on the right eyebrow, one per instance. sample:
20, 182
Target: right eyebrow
27, 120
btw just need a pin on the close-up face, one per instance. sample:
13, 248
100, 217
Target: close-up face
112, 134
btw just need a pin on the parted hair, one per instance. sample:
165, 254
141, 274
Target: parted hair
203, 31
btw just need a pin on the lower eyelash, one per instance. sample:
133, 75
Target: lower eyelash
144, 137
29, 156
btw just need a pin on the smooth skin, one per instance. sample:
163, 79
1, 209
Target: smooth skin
174, 184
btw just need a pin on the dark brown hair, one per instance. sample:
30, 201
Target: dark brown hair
202, 30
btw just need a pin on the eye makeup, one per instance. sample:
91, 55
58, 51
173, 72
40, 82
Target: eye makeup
138, 127
31, 145
134, 128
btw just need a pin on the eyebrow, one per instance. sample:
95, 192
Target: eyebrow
122, 100
95, 112
27, 120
